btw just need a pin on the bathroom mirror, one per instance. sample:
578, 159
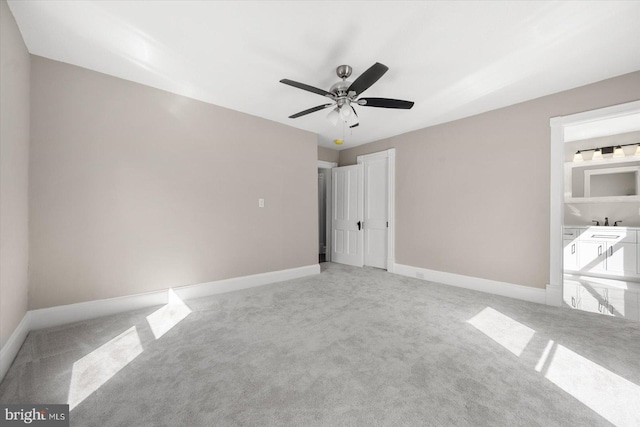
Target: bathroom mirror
609, 182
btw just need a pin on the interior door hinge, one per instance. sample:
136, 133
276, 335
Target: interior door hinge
387, 224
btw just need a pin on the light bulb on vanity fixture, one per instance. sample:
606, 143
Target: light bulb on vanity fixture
578, 157
587, 154
597, 155
617, 152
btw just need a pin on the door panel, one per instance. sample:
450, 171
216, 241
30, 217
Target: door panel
592, 256
376, 211
622, 258
347, 245
570, 254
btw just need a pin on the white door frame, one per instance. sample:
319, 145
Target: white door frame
390, 154
556, 208
328, 188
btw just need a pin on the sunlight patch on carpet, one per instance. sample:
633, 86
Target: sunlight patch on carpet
509, 333
96, 368
162, 320
611, 396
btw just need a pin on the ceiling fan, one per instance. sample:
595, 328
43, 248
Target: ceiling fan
345, 94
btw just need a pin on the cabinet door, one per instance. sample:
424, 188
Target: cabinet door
593, 256
571, 255
621, 258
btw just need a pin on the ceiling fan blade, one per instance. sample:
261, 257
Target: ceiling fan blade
310, 110
369, 77
386, 103
306, 87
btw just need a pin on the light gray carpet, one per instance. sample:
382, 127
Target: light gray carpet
348, 347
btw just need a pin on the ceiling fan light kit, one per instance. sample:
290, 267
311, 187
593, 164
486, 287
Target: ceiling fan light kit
345, 94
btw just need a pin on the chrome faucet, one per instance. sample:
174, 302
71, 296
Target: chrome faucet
606, 221
615, 223
596, 221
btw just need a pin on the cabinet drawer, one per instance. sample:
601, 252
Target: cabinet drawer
595, 235
571, 233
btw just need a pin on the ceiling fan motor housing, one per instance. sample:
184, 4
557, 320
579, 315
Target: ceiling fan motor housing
340, 88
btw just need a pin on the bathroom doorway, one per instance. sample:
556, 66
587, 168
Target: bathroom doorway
324, 210
595, 211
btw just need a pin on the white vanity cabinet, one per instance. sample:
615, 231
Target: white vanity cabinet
571, 248
608, 251
602, 270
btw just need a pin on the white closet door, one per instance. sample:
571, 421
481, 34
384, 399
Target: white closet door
347, 214
376, 211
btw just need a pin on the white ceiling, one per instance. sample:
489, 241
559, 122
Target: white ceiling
454, 59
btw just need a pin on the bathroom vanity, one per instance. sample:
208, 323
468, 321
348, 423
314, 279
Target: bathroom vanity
602, 270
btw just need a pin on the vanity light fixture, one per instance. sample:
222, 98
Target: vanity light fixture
607, 152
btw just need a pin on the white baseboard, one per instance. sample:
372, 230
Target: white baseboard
505, 289
390, 265
10, 349
64, 314
554, 295
237, 283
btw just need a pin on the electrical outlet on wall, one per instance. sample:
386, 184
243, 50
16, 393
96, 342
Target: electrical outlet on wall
261, 203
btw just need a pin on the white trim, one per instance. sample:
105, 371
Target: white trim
63, 314
391, 236
556, 208
10, 349
237, 283
525, 293
553, 295
389, 154
328, 202
326, 165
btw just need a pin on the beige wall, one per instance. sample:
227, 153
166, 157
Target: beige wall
328, 155
472, 195
14, 162
134, 189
